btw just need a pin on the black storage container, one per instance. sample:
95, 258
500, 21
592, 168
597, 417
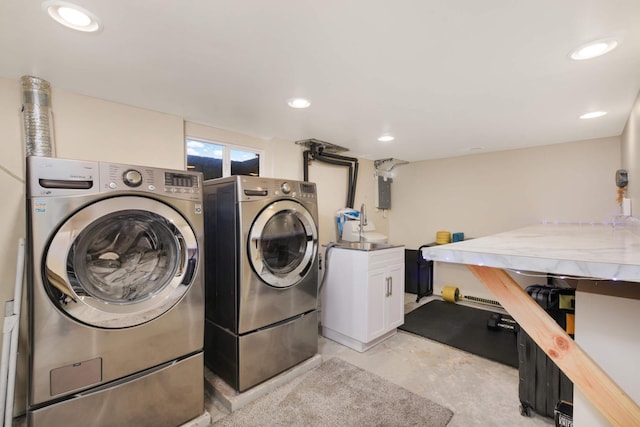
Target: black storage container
418, 273
542, 384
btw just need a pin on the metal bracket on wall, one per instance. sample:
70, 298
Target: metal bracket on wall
384, 166
388, 164
325, 146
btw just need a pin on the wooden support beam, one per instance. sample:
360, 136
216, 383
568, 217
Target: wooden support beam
612, 402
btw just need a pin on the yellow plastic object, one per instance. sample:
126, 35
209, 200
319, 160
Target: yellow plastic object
571, 323
451, 294
443, 237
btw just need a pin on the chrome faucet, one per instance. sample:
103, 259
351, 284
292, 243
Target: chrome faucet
363, 221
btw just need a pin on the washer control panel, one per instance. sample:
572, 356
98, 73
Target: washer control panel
49, 177
179, 184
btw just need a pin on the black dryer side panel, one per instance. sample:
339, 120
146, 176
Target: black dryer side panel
221, 228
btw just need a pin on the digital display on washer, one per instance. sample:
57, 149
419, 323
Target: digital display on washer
307, 188
180, 180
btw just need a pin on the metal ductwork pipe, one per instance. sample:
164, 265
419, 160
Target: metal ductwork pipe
353, 173
305, 164
36, 113
316, 152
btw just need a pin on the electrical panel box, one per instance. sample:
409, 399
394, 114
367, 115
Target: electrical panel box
383, 195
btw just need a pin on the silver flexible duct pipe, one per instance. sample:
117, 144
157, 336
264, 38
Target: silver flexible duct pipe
36, 113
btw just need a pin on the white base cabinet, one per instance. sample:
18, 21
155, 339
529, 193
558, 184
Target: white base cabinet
363, 296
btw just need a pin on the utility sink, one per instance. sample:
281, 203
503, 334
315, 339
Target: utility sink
364, 246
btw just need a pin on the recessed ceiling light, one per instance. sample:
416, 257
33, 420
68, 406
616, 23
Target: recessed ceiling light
386, 138
72, 16
593, 114
298, 103
593, 49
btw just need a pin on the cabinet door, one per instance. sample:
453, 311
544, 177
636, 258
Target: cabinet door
376, 303
395, 298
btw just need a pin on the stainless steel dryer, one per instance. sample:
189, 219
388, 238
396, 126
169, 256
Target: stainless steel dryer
115, 294
261, 271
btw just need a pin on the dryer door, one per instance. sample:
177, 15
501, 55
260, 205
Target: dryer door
120, 262
283, 243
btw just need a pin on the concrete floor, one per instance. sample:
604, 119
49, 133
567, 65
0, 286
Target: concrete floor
480, 392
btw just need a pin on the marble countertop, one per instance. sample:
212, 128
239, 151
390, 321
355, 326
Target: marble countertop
601, 251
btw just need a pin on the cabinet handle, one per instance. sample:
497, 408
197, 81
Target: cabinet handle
390, 286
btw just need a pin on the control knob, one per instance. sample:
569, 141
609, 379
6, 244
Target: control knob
285, 187
132, 178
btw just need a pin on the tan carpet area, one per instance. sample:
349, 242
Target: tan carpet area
338, 393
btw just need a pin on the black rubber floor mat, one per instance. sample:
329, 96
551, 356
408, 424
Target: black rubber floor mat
463, 327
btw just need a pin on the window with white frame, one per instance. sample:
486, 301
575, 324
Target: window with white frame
215, 159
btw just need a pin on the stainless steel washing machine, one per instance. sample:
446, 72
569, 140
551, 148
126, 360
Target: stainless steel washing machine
114, 294
261, 271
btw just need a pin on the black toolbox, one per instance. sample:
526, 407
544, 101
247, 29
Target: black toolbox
542, 384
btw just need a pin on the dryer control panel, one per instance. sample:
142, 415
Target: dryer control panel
252, 188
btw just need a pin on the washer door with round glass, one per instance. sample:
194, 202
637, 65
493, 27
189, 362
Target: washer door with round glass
283, 243
120, 262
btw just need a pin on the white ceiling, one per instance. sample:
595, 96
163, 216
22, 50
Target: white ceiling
447, 78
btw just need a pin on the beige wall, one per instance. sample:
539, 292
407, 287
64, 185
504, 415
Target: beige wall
494, 192
630, 156
489, 193
91, 129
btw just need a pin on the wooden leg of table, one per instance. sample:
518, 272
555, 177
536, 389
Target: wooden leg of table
612, 402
